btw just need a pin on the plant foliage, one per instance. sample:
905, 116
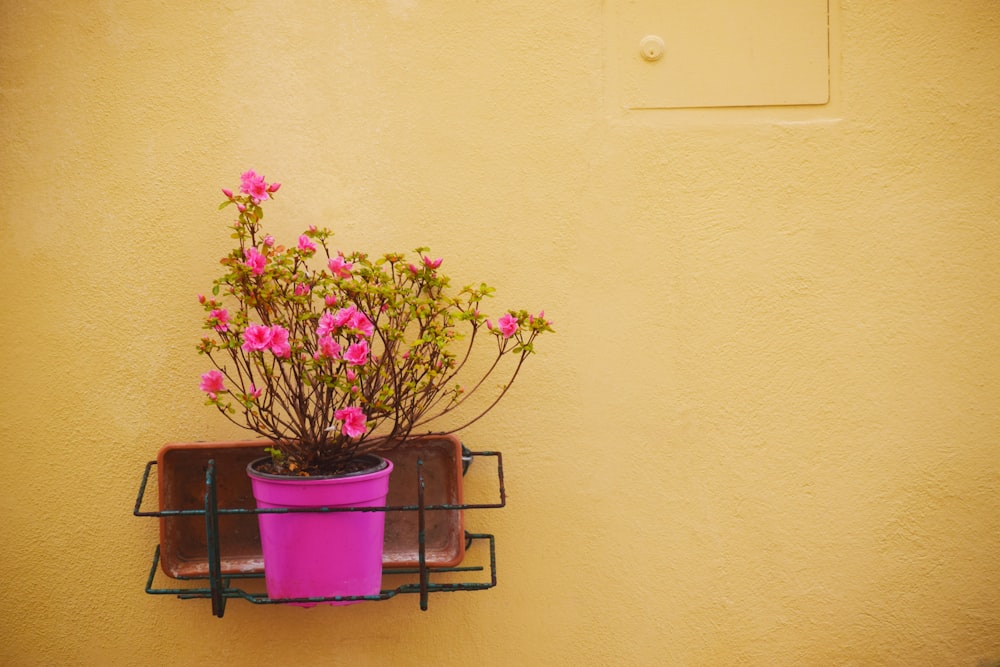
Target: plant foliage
333, 355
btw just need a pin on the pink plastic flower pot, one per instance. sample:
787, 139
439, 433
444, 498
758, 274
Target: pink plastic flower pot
322, 554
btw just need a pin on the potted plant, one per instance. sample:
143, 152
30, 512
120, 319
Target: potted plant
335, 357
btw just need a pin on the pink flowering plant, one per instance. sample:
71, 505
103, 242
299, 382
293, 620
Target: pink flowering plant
334, 355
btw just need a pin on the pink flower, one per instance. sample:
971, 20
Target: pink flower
256, 337
432, 263
508, 325
354, 421
330, 300
228, 193
253, 185
361, 322
344, 316
279, 342
301, 289
327, 324
306, 245
339, 268
273, 187
328, 348
254, 260
241, 207
211, 383
254, 393
219, 318
357, 353
269, 240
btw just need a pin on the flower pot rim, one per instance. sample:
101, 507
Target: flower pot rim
378, 464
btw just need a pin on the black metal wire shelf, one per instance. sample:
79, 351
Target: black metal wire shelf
220, 586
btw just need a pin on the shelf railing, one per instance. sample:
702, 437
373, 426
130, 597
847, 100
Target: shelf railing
220, 586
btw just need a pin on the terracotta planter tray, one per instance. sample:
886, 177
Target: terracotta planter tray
181, 480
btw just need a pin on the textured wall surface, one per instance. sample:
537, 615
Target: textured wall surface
765, 434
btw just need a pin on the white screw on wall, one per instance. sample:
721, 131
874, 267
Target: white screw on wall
651, 48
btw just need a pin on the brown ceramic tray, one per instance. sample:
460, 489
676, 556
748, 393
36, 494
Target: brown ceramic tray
181, 480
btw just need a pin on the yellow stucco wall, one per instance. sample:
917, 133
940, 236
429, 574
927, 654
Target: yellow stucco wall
765, 434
